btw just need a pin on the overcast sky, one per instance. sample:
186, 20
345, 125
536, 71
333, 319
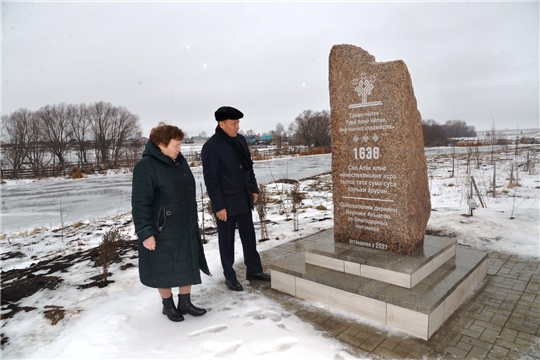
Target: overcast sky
178, 62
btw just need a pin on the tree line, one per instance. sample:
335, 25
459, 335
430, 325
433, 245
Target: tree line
310, 128
42, 138
108, 133
436, 134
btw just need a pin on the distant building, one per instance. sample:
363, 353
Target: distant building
266, 139
197, 140
252, 140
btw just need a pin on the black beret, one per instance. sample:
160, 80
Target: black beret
228, 113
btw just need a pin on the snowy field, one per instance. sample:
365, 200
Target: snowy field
123, 319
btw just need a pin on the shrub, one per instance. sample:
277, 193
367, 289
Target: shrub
107, 249
76, 173
316, 151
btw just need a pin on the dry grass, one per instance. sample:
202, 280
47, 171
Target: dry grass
316, 151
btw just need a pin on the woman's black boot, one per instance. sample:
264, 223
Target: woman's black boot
170, 310
186, 307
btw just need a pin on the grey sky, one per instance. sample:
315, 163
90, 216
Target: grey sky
178, 62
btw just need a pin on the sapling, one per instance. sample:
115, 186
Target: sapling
296, 200
63, 216
494, 179
203, 234
210, 211
453, 158
280, 193
262, 206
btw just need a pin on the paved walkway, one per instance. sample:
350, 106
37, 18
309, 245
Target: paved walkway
501, 320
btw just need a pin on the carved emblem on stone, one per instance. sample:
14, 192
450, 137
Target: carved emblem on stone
363, 87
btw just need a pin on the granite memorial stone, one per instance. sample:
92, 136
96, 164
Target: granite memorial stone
379, 171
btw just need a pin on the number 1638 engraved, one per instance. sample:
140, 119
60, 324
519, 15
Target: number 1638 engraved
368, 153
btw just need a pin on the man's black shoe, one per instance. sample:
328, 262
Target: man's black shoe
234, 285
258, 276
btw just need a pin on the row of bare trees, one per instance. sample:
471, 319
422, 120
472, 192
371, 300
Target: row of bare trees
37, 139
310, 128
313, 127
436, 134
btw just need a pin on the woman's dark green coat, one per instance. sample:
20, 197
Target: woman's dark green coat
164, 205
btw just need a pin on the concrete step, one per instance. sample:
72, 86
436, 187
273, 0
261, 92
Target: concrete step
418, 311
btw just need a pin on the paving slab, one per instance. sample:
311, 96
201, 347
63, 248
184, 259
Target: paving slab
499, 320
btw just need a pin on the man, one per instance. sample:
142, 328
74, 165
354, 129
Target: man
232, 188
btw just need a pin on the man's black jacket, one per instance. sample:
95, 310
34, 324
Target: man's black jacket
230, 185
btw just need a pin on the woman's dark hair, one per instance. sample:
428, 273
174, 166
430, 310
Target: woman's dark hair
163, 134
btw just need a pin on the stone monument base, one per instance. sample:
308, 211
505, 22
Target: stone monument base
412, 293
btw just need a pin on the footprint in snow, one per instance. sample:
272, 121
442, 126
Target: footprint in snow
218, 349
273, 316
212, 329
225, 308
261, 315
278, 346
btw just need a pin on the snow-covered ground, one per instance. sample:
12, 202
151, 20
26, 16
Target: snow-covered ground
124, 320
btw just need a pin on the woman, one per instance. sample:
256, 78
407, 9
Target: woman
164, 209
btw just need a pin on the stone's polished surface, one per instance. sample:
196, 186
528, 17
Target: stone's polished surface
405, 271
379, 170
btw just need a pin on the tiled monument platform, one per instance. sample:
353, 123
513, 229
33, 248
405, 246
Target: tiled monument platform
412, 293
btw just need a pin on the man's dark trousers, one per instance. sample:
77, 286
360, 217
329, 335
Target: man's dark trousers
246, 231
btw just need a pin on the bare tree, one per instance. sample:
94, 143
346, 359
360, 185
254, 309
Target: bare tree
124, 125
133, 151
434, 133
493, 139
80, 131
36, 155
99, 114
322, 129
14, 133
477, 156
303, 129
292, 129
55, 122
470, 152
314, 127
110, 127
279, 135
